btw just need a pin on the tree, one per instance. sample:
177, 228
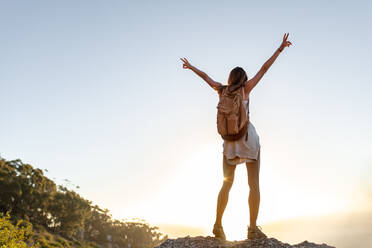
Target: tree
31, 196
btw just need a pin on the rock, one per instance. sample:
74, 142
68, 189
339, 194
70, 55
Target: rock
212, 242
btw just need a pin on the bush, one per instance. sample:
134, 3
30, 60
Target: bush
14, 236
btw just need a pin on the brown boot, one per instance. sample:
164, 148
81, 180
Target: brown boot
255, 233
218, 232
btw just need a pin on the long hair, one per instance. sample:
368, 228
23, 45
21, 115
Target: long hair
237, 78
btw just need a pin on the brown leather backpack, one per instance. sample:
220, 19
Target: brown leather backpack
232, 119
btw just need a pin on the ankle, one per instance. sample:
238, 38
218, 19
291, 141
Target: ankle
218, 223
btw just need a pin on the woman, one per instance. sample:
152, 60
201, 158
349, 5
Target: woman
243, 150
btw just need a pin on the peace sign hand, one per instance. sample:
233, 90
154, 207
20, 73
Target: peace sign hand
285, 43
186, 64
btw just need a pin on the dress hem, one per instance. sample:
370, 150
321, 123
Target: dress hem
239, 160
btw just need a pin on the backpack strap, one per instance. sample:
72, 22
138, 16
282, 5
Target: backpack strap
248, 105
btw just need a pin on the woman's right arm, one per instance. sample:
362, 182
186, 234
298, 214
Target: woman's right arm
254, 81
186, 65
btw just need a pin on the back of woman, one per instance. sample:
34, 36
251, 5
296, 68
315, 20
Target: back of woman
245, 149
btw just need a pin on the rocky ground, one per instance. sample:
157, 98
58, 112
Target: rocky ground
212, 242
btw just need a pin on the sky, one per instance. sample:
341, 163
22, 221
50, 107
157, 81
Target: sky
95, 92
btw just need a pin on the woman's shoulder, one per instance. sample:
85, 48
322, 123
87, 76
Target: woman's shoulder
220, 88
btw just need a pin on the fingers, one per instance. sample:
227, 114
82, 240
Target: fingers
285, 36
186, 64
285, 42
184, 60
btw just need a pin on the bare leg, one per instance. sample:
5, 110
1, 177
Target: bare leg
253, 170
223, 196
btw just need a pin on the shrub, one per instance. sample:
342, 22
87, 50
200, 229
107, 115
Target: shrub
14, 236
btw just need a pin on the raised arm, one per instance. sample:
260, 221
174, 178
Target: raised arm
203, 75
253, 82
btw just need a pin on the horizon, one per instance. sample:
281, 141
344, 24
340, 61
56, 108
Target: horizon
95, 92
346, 230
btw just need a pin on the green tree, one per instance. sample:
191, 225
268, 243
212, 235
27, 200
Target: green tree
29, 195
68, 212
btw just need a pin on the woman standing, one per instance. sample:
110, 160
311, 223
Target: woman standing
244, 150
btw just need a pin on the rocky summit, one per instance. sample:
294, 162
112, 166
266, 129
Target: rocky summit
212, 242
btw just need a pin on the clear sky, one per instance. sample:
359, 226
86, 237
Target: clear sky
95, 92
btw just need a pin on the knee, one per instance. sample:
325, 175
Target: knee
254, 185
227, 184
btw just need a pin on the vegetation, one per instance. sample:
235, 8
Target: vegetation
13, 236
60, 217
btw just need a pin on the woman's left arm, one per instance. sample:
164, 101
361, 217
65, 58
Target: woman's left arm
253, 82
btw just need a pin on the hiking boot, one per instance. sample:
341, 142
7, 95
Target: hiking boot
218, 232
255, 233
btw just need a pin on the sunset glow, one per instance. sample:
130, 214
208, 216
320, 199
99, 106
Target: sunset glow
94, 92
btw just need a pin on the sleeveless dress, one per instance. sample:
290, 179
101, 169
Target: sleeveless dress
242, 150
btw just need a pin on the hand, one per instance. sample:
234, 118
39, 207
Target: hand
285, 43
186, 64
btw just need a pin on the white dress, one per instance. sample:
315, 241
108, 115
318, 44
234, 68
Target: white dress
241, 151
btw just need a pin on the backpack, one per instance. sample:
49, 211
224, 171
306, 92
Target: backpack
232, 119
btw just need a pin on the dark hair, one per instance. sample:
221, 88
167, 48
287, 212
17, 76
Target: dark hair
237, 79
237, 76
